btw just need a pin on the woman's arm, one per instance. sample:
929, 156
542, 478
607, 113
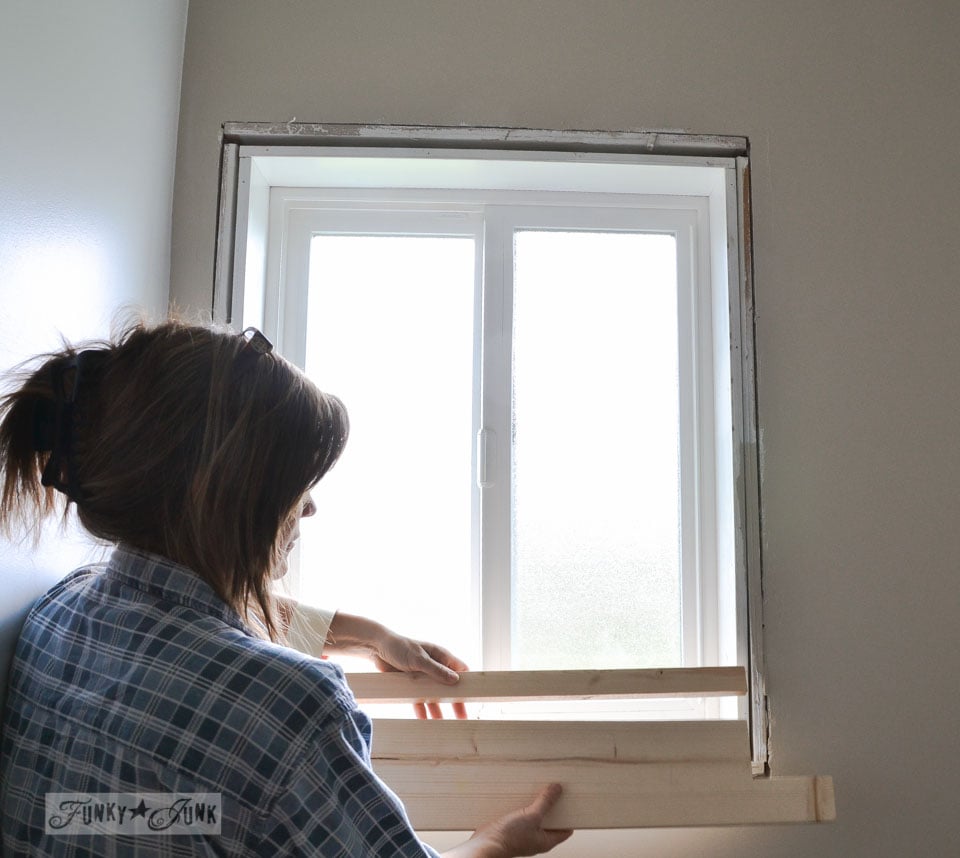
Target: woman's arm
317, 632
389, 651
355, 635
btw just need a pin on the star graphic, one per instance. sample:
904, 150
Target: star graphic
139, 810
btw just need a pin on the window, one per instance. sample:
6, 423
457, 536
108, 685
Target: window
546, 358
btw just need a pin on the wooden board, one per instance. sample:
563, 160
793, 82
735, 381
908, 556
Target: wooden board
550, 685
615, 741
461, 795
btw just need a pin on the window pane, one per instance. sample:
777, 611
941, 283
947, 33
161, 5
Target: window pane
595, 464
390, 331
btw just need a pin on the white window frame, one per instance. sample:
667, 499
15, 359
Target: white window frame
253, 174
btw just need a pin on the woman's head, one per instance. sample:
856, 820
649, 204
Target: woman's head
182, 440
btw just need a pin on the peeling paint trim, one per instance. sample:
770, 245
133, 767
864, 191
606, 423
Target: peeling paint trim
652, 142
226, 233
752, 509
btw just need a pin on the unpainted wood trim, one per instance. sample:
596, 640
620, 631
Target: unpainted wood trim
611, 741
550, 685
462, 795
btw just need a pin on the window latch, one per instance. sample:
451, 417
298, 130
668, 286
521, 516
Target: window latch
486, 451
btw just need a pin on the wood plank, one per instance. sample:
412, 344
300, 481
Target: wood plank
550, 685
615, 741
461, 795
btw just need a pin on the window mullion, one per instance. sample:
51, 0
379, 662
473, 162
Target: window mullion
702, 328
493, 439
285, 308
690, 458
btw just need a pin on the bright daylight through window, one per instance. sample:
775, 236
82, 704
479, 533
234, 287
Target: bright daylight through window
540, 355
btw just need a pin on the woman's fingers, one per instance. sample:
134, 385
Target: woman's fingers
424, 711
398, 653
445, 657
441, 664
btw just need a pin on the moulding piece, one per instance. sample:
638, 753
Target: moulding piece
551, 685
443, 795
614, 741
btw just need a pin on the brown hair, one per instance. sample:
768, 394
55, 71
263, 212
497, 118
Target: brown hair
177, 439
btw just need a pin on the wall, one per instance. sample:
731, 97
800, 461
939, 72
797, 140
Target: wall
852, 113
89, 103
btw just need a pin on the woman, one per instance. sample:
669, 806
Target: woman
163, 672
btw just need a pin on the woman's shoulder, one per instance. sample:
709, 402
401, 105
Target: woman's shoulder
303, 679
279, 703
75, 581
189, 645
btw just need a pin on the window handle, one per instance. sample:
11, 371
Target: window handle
486, 461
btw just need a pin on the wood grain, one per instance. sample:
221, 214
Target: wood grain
496, 686
461, 795
613, 741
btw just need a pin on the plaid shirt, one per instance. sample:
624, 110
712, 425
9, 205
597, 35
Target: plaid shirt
135, 678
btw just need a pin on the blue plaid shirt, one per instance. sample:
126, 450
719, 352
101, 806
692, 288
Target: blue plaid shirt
135, 678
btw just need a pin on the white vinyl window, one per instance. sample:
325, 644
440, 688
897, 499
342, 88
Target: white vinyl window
537, 355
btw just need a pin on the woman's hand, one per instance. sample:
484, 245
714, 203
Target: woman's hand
518, 833
392, 652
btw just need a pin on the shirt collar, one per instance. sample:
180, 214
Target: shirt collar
169, 581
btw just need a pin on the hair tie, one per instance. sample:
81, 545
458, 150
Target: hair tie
54, 420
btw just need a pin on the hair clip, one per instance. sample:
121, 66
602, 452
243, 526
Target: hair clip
256, 341
54, 422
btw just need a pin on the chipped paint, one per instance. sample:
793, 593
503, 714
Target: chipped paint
667, 142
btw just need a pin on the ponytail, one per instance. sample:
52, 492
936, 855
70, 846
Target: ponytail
37, 428
185, 441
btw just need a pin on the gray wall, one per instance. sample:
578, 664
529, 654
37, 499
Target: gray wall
89, 101
852, 112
